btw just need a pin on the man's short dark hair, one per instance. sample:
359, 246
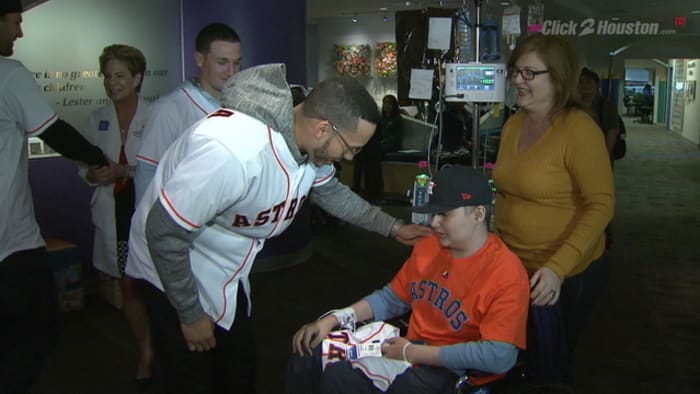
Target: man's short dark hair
587, 72
215, 32
343, 101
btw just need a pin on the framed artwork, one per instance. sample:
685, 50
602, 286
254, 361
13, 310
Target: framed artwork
352, 60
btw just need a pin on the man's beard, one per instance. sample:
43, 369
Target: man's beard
320, 155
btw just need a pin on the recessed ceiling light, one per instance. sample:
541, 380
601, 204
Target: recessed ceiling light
383, 9
695, 12
615, 18
505, 3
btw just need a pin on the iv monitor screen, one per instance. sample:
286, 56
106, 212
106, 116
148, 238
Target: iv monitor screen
475, 82
475, 77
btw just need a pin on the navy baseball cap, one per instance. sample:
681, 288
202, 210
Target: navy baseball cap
457, 186
10, 6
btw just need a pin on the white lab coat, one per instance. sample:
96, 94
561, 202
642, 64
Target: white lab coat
102, 130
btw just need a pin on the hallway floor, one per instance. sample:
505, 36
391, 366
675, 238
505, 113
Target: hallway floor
644, 335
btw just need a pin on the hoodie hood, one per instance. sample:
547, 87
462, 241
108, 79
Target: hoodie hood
263, 93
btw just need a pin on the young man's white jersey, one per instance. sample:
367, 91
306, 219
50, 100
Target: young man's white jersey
171, 116
24, 112
233, 181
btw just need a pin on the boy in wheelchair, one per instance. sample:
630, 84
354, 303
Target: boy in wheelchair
467, 293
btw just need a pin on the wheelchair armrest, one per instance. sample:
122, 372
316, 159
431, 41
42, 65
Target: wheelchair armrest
473, 379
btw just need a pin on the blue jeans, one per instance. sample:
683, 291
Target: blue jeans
579, 295
554, 331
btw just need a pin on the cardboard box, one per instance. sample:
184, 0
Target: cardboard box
64, 262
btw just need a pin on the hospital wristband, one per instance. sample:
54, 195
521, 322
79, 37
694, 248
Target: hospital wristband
346, 317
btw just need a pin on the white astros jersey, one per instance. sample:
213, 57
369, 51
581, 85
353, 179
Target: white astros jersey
171, 116
234, 182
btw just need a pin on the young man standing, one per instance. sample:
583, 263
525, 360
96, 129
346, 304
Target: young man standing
218, 56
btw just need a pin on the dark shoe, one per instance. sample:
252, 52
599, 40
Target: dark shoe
143, 384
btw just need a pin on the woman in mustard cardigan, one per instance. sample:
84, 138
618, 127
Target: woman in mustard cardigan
555, 196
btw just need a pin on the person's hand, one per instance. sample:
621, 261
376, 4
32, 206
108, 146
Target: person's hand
545, 287
393, 348
199, 335
311, 334
409, 234
106, 175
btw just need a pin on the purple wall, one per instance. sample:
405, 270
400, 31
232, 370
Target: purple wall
271, 31
62, 203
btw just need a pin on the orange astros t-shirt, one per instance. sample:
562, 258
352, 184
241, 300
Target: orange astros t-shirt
481, 297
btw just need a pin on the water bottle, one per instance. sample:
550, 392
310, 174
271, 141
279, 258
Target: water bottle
421, 186
465, 43
490, 41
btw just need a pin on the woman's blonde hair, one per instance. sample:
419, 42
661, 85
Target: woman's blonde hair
132, 57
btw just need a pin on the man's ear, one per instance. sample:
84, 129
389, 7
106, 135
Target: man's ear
320, 128
199, 58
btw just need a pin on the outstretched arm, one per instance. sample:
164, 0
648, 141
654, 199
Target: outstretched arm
341, 202
66, 140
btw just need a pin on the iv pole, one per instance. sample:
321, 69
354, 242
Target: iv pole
475, 105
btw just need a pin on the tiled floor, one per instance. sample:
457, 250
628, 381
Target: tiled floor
644, 336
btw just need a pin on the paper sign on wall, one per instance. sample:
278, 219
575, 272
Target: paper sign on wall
421, 84
439, 30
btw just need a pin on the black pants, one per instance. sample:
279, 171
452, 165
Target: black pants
304, 376
28, 318
228, 368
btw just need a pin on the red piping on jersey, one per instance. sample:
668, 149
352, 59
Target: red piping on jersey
286, 174
193, 101
379, 329
228, 282
316, 182
41, 126
167, 200
146, 159
370, 374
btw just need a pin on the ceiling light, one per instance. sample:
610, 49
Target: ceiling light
505, 3
354, 19
408, 4
383, 9
695, 12
615, 18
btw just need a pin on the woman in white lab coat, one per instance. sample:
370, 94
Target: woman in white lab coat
117, 129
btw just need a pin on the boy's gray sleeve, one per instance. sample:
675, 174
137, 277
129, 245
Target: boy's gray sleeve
386, 304
487, 356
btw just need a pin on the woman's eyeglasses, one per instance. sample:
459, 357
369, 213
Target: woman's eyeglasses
525, 73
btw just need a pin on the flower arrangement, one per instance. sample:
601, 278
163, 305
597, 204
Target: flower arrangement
352, 60
385, 59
